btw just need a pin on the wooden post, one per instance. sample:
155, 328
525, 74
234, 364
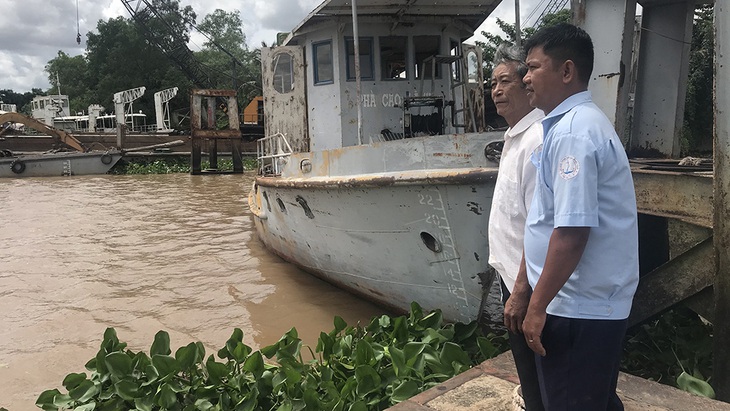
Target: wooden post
236, 145
121, 135
721, 338
196, 143
198, 133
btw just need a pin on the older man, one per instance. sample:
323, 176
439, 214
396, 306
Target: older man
512, 197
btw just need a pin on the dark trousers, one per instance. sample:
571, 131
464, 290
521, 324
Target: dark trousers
525, 364
580, 370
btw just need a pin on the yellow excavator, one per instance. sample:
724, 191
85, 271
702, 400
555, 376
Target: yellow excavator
59, 136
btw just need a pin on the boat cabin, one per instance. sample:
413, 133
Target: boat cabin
46, 108
416, 77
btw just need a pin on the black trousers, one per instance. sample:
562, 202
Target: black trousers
580, 370
526, 366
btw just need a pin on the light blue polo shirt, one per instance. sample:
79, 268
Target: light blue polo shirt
584, 180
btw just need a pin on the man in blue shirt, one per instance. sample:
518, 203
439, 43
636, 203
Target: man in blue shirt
581, 241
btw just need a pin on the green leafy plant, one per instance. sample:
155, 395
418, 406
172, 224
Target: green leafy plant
674, 349
353, 368
172, 165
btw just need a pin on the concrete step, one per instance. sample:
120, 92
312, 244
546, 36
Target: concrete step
491, 386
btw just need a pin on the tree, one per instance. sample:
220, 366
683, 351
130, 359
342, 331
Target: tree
698, 113
72, 74
494, 40
120, 58
228, 56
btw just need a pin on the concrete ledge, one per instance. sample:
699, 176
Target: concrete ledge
491, 385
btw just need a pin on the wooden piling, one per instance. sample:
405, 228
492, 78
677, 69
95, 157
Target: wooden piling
209, 131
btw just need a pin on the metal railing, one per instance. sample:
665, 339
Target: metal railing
272, 153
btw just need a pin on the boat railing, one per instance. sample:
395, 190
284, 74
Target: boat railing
272, 152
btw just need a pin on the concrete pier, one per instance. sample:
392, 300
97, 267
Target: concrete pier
490, 386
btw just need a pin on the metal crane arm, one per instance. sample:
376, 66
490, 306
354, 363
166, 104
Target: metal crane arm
58, 135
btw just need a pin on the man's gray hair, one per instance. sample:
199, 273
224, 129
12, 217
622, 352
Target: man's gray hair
507, 53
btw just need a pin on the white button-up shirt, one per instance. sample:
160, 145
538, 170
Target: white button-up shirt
512, 196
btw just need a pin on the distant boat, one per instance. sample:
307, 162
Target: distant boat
53, 163
57, 164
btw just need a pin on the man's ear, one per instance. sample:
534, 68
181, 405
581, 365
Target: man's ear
569, 72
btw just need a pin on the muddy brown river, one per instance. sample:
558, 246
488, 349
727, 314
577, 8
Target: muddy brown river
141, 254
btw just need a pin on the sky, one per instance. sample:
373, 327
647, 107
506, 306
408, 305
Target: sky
34, 31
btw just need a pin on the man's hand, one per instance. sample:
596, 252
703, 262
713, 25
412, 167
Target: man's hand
532, 328
514, 311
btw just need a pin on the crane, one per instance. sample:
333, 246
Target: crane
160, 33
162, 108
123, 102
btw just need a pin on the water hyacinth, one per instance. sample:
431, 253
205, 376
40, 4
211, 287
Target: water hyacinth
353, 368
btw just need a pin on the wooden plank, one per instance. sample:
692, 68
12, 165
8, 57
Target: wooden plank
721, 336
673, 282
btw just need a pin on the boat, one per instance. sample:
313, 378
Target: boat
56, 162
377, 170
53, 164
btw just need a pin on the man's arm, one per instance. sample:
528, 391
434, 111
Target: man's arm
564, 252
516, 306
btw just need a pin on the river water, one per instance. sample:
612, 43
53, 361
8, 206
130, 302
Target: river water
141, 254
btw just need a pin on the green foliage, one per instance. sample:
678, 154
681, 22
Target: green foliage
172, 165
494, 40
354, 368
696, 131
675, 349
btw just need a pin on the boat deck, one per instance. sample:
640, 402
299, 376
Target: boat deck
491, 386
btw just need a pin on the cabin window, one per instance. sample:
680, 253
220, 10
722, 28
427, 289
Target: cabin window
393, 57
455, 50
425, 47
283, 73
366, 58
323, 68
472, 67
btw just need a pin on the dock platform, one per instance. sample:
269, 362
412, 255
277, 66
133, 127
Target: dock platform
491, 386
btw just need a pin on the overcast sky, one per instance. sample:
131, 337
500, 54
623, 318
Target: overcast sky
33, 31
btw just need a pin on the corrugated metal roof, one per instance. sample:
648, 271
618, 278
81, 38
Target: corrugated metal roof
472, 13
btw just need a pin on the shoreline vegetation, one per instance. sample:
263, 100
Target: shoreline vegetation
168, 165
354, 368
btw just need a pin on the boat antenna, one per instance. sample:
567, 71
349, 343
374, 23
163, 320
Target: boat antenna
78, 30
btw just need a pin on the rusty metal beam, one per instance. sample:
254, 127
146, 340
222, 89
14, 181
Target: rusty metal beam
721, 336
457, 176
674, 282
213, 93
683, 196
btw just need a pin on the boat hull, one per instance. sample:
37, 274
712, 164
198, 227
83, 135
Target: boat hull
58, 164
392, 238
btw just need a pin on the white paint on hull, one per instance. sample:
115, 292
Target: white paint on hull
371, 240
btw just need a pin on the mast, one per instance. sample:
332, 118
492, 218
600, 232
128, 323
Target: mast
356, 42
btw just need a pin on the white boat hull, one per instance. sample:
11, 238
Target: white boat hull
58, 164
392, 236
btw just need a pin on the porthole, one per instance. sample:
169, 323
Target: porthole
281, 205
266, 197
431, 242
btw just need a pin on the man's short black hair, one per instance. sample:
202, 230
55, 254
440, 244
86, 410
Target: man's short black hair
565, 42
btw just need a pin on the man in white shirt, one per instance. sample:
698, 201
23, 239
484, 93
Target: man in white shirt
510, 204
